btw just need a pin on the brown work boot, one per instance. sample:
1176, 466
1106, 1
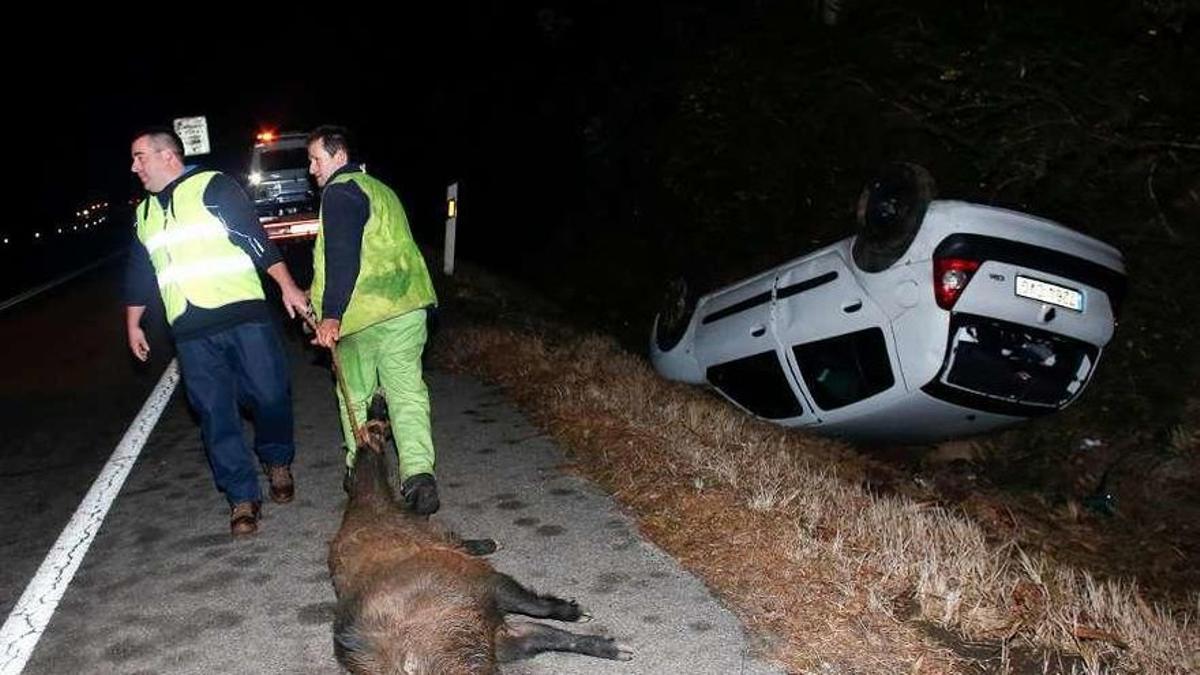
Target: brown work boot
243, 518
283, 488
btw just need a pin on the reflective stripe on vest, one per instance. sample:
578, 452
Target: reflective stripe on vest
211, 268
198, 231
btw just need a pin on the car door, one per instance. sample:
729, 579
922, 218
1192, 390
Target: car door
736, 348
836, 341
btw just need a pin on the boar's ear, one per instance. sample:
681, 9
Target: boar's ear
349, 646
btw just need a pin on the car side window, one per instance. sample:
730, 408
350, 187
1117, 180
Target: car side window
758, 384
845, 369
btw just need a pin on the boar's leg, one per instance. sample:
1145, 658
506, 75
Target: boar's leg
479, 547
523, 640
513, 597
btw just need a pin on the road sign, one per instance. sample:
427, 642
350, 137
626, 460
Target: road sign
193, 131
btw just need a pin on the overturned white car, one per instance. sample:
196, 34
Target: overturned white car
938, 319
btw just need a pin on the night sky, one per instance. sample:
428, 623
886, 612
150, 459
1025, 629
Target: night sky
467, 91
593, 126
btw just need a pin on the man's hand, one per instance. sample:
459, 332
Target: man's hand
294, 300
138, 344
328, 332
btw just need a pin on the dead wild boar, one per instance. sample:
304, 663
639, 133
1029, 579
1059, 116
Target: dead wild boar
413, 600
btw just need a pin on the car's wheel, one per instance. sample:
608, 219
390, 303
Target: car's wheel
890, 210
674, 314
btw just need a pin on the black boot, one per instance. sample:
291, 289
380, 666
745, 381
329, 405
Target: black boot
420, 494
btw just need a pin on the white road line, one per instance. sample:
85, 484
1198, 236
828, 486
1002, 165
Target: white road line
28, 619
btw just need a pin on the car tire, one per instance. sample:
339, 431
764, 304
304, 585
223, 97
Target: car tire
674, 314
890, 210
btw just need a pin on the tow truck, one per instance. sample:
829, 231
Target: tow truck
284, 197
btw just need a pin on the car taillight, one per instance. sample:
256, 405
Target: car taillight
950, 277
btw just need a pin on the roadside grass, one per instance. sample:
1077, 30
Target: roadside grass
829, 573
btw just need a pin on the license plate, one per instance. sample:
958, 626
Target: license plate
1054, 294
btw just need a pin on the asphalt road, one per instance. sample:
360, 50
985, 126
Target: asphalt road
165, 589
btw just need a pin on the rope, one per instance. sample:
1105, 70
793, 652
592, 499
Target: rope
372, 433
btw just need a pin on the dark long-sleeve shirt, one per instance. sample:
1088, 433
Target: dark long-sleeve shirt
345, 209
227, 201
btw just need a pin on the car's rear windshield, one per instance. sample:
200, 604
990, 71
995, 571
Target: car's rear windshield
292, 158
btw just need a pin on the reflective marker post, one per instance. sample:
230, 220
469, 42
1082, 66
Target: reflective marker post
451, 227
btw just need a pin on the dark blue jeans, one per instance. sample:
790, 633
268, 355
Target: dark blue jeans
242, 367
